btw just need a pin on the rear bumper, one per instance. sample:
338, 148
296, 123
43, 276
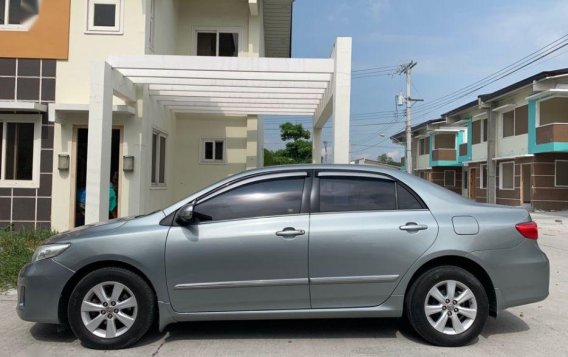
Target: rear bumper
520, 275
39, 288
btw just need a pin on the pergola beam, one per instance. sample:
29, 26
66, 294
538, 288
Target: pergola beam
235, 75
236, 95
228, 82
309, 107
239, 111
224, 64
213, 89
312, 102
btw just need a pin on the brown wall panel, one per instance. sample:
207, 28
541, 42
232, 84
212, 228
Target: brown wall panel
47, 38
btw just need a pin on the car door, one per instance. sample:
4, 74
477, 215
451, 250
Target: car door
246, 250
366, 230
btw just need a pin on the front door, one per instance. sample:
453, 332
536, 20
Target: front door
365, 233
472, 184
246, 250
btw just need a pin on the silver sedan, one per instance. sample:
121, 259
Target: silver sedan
292, 242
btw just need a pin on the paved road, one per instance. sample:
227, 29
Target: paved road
532, 330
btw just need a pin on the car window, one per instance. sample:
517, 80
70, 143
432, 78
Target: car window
406, 200
356, 194
258, 199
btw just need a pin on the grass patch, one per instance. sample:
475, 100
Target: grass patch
16, 249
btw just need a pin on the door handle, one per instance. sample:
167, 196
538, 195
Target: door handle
413, 227
290, 232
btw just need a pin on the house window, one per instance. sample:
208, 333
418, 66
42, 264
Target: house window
515, 122
508, 123
424, 146
507, 176
561, 173
104, 16
483, 176
213, 150
18, 13
20, 150
158, 159
465, 179
449, 178
217, 43
152, 25
484, 130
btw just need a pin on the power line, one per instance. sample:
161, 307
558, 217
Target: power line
494, 77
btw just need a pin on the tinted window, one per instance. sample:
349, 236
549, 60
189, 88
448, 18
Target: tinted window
265, 198
406, 200
356, 194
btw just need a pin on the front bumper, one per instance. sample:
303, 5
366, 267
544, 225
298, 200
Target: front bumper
39, 289
520, 275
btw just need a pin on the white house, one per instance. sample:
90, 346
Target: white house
162, 97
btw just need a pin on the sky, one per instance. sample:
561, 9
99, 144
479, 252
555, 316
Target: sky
455, 44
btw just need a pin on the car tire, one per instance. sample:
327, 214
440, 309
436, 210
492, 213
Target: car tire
444, 318
111, 308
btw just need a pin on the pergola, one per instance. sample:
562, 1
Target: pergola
241, 86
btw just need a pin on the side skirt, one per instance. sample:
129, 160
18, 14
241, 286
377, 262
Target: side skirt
391, 308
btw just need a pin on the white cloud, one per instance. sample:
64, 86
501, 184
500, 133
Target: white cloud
395, 155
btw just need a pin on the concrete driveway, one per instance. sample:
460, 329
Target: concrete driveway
537, 329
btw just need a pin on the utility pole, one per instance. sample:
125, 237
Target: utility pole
407, 70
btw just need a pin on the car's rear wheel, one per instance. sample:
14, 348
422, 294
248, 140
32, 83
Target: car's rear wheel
447, 306
111, 308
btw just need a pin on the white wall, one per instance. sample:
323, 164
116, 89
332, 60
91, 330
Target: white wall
218, 13
422, 162
72, 85
479, 151
190, 174
165, 27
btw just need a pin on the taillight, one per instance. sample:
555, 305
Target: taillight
528, 230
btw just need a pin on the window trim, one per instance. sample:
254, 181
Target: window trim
213, 161
481, 176
17, 27
154, 181
22, 118
256, 179
217, 30
315, 194
454, 180
90, 27
501, 176
555, 170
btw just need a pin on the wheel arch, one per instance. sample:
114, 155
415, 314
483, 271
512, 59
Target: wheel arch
81, 273
465, 263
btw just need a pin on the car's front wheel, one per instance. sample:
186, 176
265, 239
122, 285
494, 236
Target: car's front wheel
447, 306
111, 308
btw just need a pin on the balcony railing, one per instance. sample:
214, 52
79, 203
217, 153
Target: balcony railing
444, 155
463, 149
552, 133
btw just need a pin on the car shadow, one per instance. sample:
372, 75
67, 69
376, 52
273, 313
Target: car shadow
507, 322
291, 329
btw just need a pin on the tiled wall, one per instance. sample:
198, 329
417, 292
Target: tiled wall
30, 80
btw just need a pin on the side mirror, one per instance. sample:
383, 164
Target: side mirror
185, 215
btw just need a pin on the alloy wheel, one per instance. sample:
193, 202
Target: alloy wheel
450, 307
109, 309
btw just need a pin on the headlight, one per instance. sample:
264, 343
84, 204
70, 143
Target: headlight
49, 251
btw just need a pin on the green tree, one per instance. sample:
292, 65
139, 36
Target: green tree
298, 147
385, 159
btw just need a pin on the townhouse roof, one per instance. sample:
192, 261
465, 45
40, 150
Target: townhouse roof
466, 106
420, 126
522, 83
